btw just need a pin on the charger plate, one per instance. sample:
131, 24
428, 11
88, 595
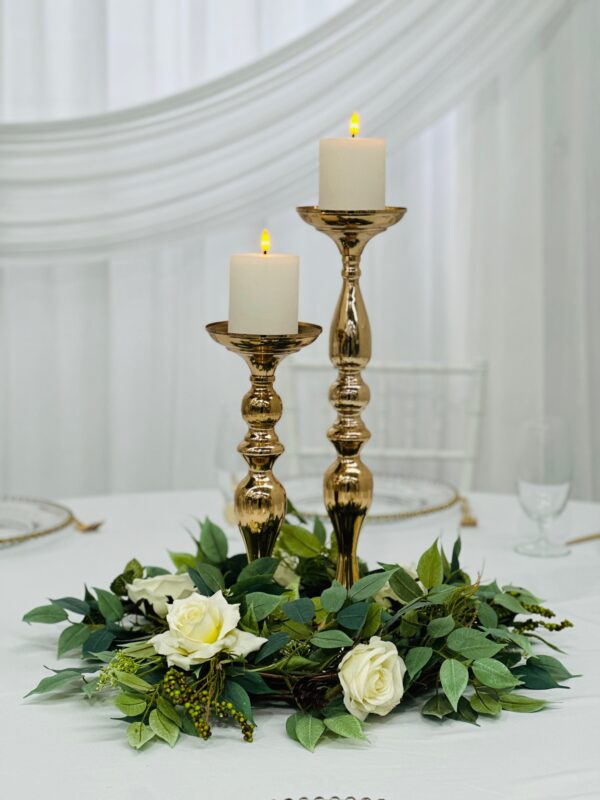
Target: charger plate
23, 518
395, 497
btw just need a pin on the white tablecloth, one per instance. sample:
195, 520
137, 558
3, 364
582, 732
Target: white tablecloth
70, 749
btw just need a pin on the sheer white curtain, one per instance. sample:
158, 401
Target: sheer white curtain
115, 228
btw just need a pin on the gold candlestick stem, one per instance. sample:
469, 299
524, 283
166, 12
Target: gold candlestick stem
260, 499
348, 483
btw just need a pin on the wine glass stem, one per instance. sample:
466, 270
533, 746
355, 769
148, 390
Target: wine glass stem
543, 532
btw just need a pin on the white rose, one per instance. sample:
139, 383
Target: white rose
371, 677
199, 628
156, 590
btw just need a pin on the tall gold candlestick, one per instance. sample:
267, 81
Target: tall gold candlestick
348, 483
260, 499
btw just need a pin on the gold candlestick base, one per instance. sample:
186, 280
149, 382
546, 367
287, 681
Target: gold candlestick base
260, 499
348, 483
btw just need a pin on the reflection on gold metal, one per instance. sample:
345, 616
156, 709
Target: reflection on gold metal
348, 483
260, 500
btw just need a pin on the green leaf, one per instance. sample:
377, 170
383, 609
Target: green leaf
163, 727
249, 622
454, 561
472, 644
109, 605
454, 677
207, 578
297, 630
416, 659
134, 567
54, 682
331, 640
238, 696
301, 610
272, 645
213, 542
131, 704
437, 706
533, 677
291, 510
441, 626
319, 531
521, 703
72, 604
138, 734
309, 730
345, 725
487, 615
73, 637
552, 665
353, 616
372, 624
439, 595
430, 568
368, 586
290, 726
89, 687
509, 602
333, 598
405, 586
133, 681
484, 703
182, 561
98, 642
252, 682
47, 614
262, 603
152, 572
493, 673
168, 710
299, 542
261, 566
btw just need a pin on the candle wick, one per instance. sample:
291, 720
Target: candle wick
264, 252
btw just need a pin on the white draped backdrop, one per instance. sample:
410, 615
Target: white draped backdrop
143, 141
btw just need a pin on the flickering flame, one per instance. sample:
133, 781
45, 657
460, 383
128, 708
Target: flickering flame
354, 124
265, 241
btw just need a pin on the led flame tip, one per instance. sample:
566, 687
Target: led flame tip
265, 241
354, 124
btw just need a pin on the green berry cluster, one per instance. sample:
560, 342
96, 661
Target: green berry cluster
201, 704
120, 663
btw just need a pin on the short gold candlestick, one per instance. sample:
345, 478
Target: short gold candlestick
260, 499
348, 483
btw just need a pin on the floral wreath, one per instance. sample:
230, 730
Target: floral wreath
222, 637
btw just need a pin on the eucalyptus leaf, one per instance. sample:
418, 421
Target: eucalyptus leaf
132, 681
72, 604
53, 682
110, 605
368, 586
213, 542
493, 673
333, 598
416, 659
331, 640
485, 703
472, 644
163, 727
73, 638
430, 568
98, 642
238, 697
552, 665
302, 610
353, 616
521, 703
441, 626
131, 704
265, 566
535, 677
454, 677
372, 624
437, 706
405, 586
273, 645
252, 682
345, 725
49, 614
207, 578
138, 734
309, 730
262, 603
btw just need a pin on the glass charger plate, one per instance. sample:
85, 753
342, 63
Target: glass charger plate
23, 518
395, 497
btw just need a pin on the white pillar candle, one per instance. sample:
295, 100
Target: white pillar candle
263, 292
352, 172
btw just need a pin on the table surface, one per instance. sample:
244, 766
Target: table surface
65, 747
